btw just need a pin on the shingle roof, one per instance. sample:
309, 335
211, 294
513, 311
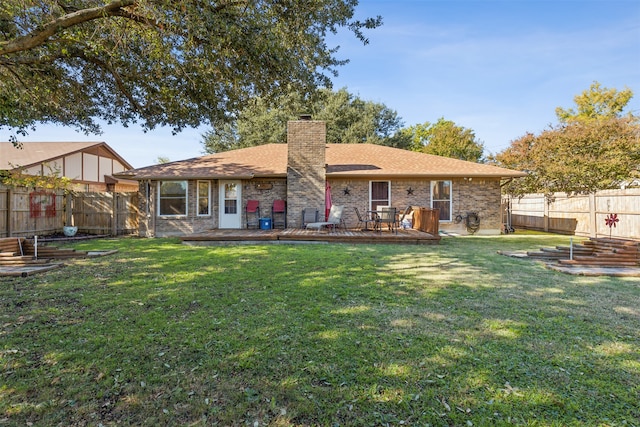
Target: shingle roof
33, 153
343, 160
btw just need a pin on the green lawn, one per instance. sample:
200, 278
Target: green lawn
328, 335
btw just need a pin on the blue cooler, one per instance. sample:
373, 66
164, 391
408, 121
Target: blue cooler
265, 223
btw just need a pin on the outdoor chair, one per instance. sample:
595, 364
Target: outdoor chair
406, 219
279, 214
252, 213
334, 220
387, 216
364, 220
309, 215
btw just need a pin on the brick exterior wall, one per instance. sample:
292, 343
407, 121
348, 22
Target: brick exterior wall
304, 187
306, 172
481, 196
265, 191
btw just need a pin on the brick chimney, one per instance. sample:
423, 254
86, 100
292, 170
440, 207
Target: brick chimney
306, 173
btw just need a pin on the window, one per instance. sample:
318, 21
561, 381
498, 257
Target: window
441, 198
231, 198
379, 194
172, 198
204, 195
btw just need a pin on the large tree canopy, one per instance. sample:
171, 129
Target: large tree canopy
349, 120
595, 147
445, 138
160, 62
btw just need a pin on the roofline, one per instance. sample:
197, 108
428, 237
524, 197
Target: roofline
184, 177
80, 150
329, 175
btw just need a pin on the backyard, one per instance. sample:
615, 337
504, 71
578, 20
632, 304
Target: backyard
329, 334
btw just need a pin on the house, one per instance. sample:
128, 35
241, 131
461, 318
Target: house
89, 165
211, 192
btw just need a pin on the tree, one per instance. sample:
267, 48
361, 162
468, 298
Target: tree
349, 120
160, 62
596, 103
445, 138
594, 147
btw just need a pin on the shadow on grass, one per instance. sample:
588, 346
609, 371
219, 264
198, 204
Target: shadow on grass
318, 335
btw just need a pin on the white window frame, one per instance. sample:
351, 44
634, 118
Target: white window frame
208, 184
186, 199
371, 193
450, 200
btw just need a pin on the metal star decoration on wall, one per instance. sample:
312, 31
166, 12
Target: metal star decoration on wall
347, 191
410, 191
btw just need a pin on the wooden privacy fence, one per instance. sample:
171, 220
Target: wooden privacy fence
582, 215
27, 212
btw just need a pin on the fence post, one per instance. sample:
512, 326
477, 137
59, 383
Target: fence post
593, 225
545, 221
68, 207
9, 211
114, 213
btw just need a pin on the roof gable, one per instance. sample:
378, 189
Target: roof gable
35, 153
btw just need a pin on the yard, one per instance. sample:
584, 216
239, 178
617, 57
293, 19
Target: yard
351, 335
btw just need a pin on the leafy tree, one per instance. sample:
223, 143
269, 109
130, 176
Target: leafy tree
596, 103
349, 120
445, 138
595, 147
17, 177
160, 62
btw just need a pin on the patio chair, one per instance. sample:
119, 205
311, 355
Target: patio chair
406, 219
387, 216
334, 220
309, 215
364, 220
252, 213
279, 213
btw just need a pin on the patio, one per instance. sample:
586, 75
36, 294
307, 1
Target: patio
298, 235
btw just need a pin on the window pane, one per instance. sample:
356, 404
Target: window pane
173, 207
441, 198
173, 189
173, 198
445, 209
380, 190
231, 206
442, 190
379, 194
230, 191
203, 198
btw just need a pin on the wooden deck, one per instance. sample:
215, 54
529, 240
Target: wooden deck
298, 235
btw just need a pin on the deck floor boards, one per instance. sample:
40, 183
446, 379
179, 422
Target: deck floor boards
293, 235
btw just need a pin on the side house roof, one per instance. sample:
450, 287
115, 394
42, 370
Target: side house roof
343, 160
35, 153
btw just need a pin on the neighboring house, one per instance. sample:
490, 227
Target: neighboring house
211, 192
89, 165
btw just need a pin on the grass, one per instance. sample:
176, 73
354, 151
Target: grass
288, 335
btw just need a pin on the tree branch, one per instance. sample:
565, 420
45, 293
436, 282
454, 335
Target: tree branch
116, 77
40, 35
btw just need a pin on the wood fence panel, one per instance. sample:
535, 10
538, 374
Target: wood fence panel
127, 213
25, 212
92, 212
583, 215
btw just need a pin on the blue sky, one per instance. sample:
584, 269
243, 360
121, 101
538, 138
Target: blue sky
499, 68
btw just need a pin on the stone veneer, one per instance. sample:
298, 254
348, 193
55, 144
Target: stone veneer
306, 168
